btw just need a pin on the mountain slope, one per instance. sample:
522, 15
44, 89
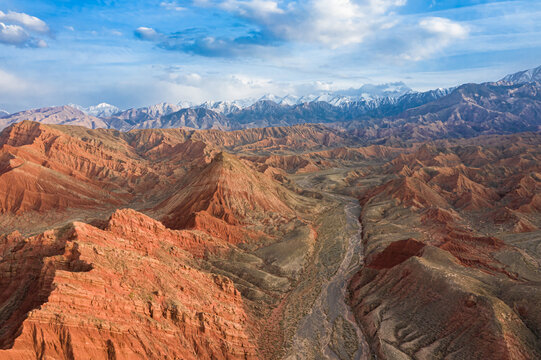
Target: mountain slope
226, 192
129, 290
452, 265
524, 76
242, 244
60, 115
198, 118
470, 110
91, 292
221, 107
51, 173
140, 118
42, 169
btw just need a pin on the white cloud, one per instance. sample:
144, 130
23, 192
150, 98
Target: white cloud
41, 44
252, 8
29, 22
189, 79
446, 27
345, 26
331, 23
181, 84
195, 87
146, 33
13, 35
173, 5
16, 29
433, 35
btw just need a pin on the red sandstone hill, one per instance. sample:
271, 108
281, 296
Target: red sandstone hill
292, 139
43, 168
451, 265
131, 291
82, 173
458, 176
224, 194
52, 174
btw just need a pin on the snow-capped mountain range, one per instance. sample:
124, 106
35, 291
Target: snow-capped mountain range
3, 113
366, 92
269, 110
368, 102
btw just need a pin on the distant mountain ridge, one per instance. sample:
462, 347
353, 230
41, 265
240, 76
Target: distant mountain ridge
58, 115
140, 118
366, 92
266, 112
524, 76
370, 107
468, 111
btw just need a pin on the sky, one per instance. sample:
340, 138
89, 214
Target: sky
133, 53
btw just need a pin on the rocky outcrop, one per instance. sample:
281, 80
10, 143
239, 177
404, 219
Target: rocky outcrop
141, 289
226, 193
131, 291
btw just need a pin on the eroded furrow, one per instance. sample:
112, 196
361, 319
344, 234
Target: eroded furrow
329, 330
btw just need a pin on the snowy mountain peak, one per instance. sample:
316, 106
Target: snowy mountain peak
100, 110
270, 97
185, 104
524, 76
222, 107
371, 91
289, 100
339, 98
3, 113
162, 109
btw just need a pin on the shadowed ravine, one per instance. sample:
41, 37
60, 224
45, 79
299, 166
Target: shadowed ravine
330, 326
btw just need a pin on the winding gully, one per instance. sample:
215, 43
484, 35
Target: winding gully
330, 310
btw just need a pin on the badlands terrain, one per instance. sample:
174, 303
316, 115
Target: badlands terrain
413, 235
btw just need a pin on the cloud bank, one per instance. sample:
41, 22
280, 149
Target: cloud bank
20, 29
327, 24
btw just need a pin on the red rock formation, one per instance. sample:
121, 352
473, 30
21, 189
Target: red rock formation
130, 291
224, 194
447, 285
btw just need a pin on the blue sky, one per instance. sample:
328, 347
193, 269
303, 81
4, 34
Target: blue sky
136, 53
